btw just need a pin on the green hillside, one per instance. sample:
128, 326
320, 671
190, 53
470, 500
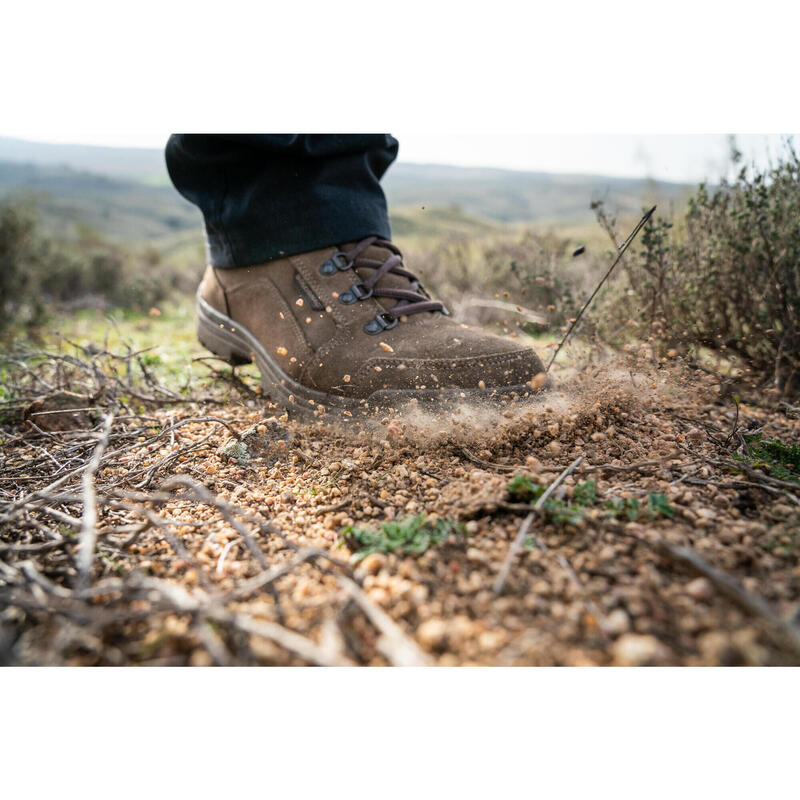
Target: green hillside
120, 209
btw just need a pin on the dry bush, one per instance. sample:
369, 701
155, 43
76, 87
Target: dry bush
39, 272
725, 276
528, 268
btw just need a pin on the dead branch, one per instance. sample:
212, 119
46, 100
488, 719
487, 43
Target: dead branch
87, 537
784, 632
516, 545
399, 648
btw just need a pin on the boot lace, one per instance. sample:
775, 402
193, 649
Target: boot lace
411, 300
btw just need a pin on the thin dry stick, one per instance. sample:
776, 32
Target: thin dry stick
516, 545
398, 647
201, 604
728, 586
623, 247
332, 507
227, 511
489, 464
87, 537
289, 640
638, 466
269, 576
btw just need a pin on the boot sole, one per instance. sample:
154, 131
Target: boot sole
236, 345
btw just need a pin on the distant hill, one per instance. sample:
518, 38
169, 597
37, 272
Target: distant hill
141, 164
121, 209
125, 193
513, 196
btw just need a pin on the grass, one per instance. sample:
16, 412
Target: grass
407, 536
168, 336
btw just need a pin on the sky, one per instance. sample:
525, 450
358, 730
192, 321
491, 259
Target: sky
675, 157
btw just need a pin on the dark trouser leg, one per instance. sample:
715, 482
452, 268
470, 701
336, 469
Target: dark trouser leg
267, 196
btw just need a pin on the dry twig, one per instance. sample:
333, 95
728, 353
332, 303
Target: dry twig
516, 545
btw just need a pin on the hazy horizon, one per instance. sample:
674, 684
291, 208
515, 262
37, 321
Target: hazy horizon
667, 157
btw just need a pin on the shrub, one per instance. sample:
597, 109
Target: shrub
726, 276
38, 272
525, 267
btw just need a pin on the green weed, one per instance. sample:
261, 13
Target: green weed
659, 506
522, 488
780, 460
623, 506
408, 536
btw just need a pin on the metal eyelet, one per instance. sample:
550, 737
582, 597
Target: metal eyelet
360, 291
382, 321
338, 262
328, 268
347, 298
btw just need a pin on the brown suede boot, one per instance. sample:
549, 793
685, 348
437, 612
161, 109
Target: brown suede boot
348, 329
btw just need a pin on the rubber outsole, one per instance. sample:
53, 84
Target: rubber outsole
236, 345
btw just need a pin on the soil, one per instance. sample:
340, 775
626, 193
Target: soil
603, 589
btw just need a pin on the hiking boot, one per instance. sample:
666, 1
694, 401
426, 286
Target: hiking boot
348, 329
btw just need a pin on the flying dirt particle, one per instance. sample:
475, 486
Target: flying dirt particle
481, 385
291, 398
346, 379
538, 381
328, 309
401, 366
282, 351
280, 314
386, 347
394, 430
672, 353
293, 360
308, 320
154, 312
533, 463
378, 369
299, 302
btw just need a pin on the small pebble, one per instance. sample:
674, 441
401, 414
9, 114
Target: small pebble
432, 633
